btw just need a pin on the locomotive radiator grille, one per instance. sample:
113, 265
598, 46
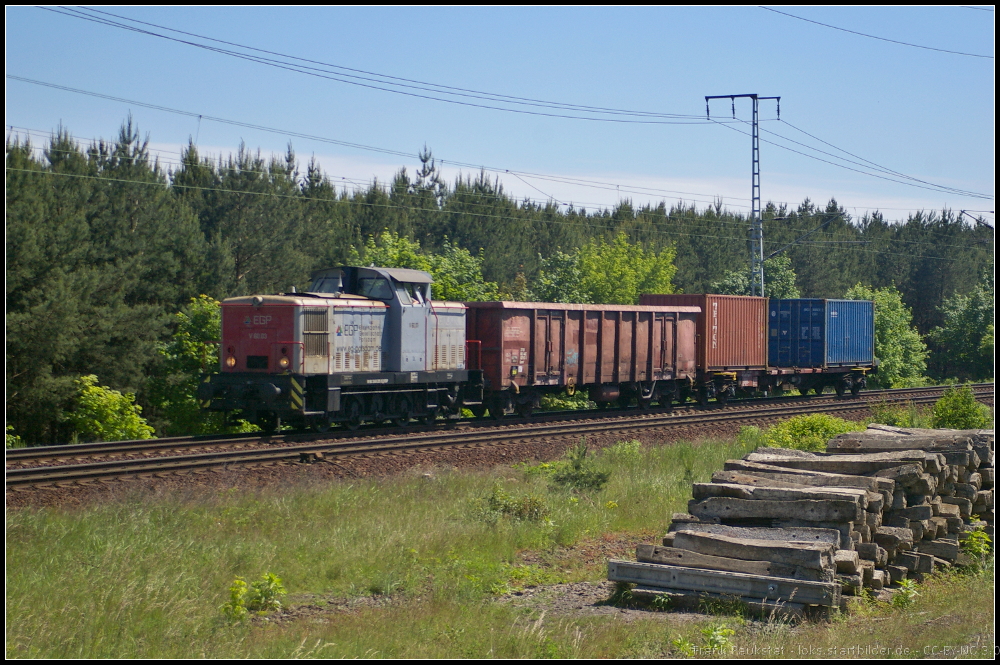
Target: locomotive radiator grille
316, 344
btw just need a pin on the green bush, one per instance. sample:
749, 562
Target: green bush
103, 414
958, 409
809, 432
12, 439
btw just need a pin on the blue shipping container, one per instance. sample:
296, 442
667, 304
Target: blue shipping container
796, 332
850, 332
815, 333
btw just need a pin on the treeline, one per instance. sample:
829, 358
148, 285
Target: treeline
105, 245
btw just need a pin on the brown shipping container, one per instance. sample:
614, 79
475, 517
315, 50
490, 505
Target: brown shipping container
560, 344
730, 329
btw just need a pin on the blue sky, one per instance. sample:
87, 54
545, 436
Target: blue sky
924, 114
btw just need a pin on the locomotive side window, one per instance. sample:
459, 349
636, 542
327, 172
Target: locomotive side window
411, 293
376, 288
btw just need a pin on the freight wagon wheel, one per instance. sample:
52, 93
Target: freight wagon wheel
803, 391
525, 410
722, 398
839, 388
478, 410
429, 418
497, 407
819, 389
322, 424
703, 398
855, 389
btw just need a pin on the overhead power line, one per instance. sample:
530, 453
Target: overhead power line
568, 180
636, 117
98, 16
582, 182
862, 34
930, 186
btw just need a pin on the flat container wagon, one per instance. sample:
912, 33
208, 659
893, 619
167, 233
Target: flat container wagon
616, 352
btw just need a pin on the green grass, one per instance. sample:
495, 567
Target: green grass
146, 577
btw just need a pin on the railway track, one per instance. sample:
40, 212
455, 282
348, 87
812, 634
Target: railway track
59, 465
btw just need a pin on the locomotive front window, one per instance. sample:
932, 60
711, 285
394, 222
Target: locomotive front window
376, 288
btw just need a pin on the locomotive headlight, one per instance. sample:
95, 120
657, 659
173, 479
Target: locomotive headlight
283, 363
230, 361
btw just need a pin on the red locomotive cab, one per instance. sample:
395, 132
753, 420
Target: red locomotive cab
258, 335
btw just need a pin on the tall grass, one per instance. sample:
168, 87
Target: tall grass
146, 577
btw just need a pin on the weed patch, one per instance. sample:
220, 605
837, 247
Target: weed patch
498, 504
579, 473
809, 432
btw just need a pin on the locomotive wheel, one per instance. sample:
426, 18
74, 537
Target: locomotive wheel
270, 423
400, 407
353, 411
378, 409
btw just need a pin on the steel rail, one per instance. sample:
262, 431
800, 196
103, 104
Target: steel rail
83, 450
411, 441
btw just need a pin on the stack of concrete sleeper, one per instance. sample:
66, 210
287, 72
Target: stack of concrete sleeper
784, 530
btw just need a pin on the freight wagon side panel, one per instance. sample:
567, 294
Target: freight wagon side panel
850, 332
571, 351
686, 336
591, 335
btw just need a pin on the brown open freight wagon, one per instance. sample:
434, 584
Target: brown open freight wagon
616, 352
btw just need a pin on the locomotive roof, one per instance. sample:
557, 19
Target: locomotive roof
406, 275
